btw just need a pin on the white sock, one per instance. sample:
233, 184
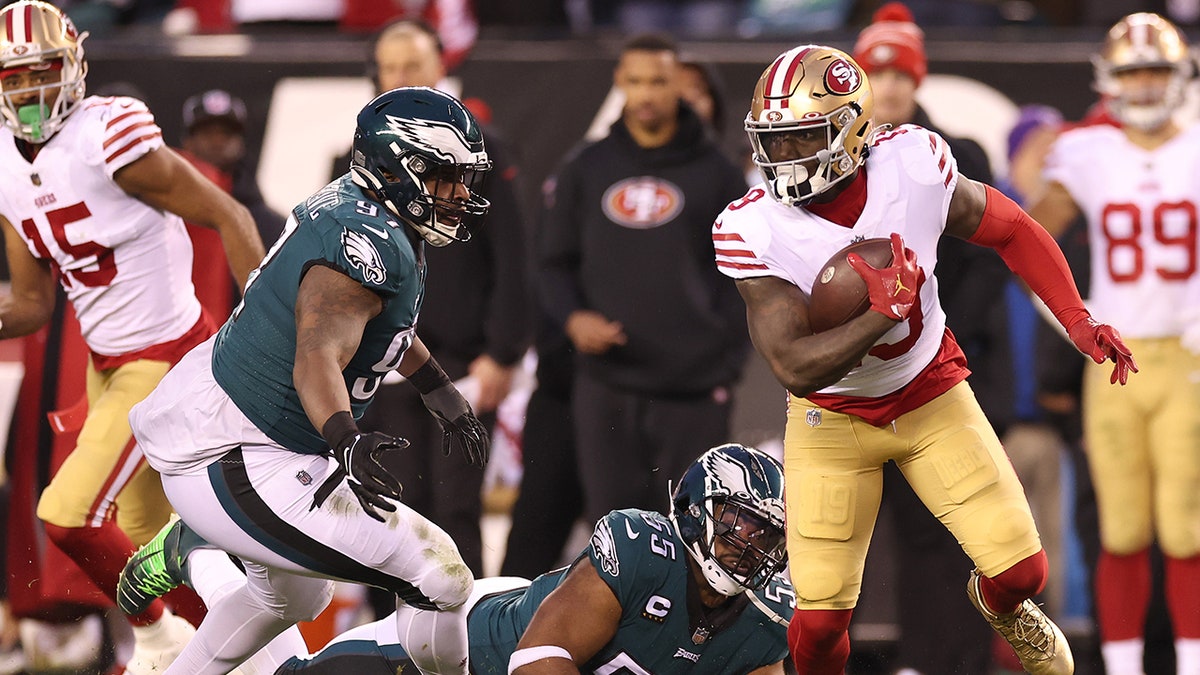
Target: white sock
213, 576
435, 641
1123, 657
155, 634
1187, 656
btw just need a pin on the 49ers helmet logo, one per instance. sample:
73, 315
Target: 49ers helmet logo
842, 78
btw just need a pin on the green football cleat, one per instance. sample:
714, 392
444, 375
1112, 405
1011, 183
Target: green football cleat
1039, 643
157, 567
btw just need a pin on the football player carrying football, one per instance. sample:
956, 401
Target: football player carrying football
1136, 185
633, 601
891, 383
89, 194
255, 432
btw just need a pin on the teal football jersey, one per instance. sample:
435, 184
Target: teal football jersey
254, 354
639, 555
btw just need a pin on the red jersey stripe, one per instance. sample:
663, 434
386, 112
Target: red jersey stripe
134, 143
727, 236
119, 118
741, 266
148, 123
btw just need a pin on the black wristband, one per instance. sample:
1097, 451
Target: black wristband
429, 376
338, 427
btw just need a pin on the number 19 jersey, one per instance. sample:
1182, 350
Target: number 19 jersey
911, 177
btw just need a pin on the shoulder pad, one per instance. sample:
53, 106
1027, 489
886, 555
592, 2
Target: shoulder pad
741, 236
925, 155
778, 599
627, 542
124, 129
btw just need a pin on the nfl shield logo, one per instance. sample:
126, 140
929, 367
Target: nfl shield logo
303, 477
813, 417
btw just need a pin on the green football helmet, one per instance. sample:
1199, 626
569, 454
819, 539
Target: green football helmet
421, 153
733, 494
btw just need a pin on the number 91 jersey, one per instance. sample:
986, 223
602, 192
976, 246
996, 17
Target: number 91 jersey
254, 355
641, 558
126, 267
1142, 222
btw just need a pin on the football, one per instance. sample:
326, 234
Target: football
839, 293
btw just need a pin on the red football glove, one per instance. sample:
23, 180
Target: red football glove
1101, 341
893, 289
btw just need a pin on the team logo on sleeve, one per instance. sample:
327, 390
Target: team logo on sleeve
604, 546
363, 255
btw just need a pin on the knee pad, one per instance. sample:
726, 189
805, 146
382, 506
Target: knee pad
1179, 540
297, 604
52, 509
451, 586
309, 607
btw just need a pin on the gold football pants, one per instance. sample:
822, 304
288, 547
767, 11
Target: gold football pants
946, 450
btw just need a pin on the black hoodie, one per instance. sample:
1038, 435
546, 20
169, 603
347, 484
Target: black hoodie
627, 233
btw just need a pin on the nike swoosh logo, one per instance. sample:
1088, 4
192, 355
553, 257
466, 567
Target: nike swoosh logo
630, 532
382, 233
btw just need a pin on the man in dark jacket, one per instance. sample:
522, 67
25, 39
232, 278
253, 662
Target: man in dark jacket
928, 561
626, 271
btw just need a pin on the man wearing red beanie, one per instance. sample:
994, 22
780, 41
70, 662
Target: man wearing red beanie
891, 50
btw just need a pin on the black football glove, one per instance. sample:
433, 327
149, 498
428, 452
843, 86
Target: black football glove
459, 423
358, 456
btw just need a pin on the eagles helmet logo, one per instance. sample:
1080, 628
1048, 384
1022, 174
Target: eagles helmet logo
444, 141
729, 476
362, 255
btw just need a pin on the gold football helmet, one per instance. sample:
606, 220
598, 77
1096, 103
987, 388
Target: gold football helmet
1143, 40
810, 89
36, 36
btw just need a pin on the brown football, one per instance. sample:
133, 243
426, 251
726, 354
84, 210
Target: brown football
839, 293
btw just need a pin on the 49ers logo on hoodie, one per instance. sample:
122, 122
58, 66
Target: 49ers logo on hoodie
642, 202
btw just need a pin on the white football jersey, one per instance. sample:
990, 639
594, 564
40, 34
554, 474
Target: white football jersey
1142, 222
911, 176
126, 267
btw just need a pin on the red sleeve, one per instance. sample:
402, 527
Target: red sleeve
1032, 254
